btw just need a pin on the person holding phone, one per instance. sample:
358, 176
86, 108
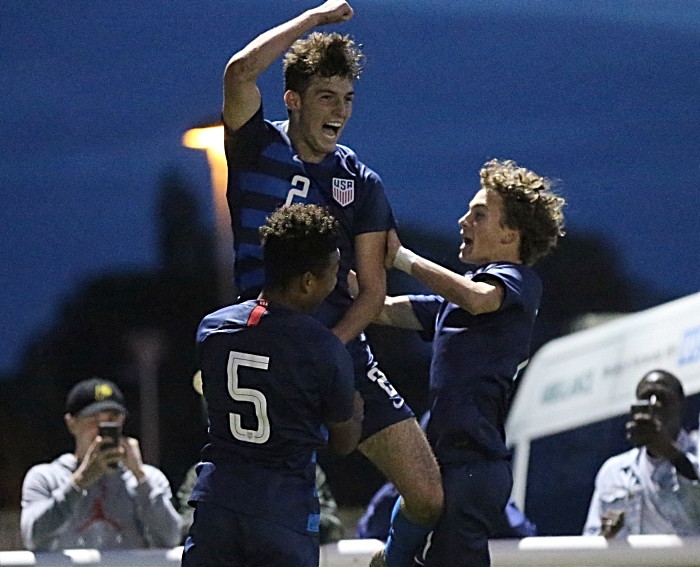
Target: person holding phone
101, 496
652, 488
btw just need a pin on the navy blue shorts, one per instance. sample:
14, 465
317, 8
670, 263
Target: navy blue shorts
383, 404
476, 494
221, 537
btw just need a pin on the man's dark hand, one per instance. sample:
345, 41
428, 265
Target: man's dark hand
611, 523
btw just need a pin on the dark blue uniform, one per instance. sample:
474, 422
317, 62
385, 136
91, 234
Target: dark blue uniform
475, 360
272, 377
265, 173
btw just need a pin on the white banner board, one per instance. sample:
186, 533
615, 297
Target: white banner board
591, 375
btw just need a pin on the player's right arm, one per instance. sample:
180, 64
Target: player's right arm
475, 297
344, 436
398, 312
241, 94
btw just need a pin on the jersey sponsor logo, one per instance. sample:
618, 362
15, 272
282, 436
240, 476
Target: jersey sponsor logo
343, 191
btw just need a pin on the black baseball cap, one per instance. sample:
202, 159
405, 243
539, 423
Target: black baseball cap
94, 395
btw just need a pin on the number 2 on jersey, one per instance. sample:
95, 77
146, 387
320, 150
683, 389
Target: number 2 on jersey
255, 397
295, 191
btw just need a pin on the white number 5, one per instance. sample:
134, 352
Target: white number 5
255, 397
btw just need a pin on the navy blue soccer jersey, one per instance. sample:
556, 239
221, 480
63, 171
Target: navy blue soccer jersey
272, 378
265, 173
476, 359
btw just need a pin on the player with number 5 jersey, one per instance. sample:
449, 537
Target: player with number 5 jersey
276, 383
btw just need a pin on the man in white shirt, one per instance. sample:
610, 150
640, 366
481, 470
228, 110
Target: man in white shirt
654, 487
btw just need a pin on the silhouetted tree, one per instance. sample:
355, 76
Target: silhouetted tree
92, 335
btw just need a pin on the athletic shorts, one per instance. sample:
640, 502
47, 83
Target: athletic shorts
220, 537
476, 494
383, 404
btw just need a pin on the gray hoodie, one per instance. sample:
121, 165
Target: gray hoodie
117, 512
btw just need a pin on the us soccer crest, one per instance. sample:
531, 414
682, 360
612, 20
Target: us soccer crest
343, 191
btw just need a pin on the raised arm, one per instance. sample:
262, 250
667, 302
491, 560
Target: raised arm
474, 297
371, 284
241, 94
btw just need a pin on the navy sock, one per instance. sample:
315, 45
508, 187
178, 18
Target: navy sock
405, 539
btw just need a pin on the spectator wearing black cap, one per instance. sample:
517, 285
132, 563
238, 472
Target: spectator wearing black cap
102, 496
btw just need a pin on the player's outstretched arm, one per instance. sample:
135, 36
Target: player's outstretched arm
241, 94
398, 312
474, 297
344, 436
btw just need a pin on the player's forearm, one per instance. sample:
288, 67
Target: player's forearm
264, 50
366, 307
474, 297
398, 312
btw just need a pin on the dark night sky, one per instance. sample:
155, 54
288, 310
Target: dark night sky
95, 97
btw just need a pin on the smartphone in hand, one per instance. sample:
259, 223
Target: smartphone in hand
112, 431
648, 407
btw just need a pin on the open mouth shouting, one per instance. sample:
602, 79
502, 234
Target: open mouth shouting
467, 244
331, 130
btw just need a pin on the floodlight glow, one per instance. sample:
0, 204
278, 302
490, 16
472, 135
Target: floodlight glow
211, 139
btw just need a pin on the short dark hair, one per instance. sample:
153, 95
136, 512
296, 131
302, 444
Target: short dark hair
669, 380
322, 54
529, 206
297, 239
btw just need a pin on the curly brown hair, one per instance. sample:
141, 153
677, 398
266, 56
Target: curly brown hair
322, 54
295, 240
529, 206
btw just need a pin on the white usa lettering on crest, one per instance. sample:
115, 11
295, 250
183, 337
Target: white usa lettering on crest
343, 191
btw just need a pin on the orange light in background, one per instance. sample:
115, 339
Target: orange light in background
211, 139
